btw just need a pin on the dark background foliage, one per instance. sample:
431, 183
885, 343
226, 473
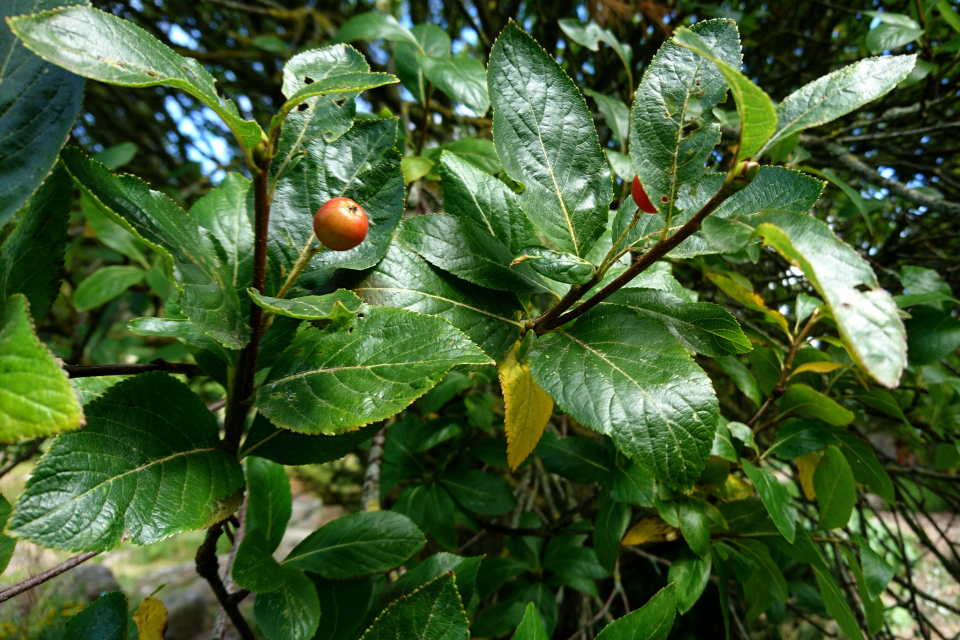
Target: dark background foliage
900, 152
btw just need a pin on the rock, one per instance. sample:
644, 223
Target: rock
86, 582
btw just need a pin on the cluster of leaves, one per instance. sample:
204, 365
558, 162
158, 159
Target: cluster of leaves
612, 371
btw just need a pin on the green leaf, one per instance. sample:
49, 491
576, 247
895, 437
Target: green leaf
480, 492
291, 612
270, 501
432, 612
7, 544
865, 466
430, 507
105, 47
801, 400
103, 619
465, 570
531, 628
868, 321
479, 152
112, 234
876, 571
465, 249
853, 195
836, 604
742, 378
37, 400
148, 465
694, 524
836, 493
117, 156
414, 168
679, 90
287, 447
357, 545
343, 605
336, 379
887, 36
591, 34
41, 103
361, 165
703, 327
621, 165
463, 79
183, 330
406, 281
758, 118
434, 42
227, 213
799, 437
931, 335
774, 497
723, 446
556, 265
339, 305
254, 567
629, 483
761, 579
207, 297
469, 192
31, 259
872, 607
553, 148
105, 284
691, 573
837, 94
949, 15
578, 459
616, 114
375, 26
652, 621
642, 390
613, 518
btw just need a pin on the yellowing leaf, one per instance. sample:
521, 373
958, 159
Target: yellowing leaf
749, 299
528, 407
151, 619
806, 465
649, 530
817, 367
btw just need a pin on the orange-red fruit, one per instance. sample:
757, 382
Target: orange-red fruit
641, 198
340, 224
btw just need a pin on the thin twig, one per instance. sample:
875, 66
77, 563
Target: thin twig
92, 370
39, 579
552, 318
24, 455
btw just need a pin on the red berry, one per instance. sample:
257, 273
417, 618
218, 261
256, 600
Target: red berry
641, 198
340, 224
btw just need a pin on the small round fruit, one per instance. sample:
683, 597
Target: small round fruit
340, 224
641, 198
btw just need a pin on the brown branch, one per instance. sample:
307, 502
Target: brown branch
778, 389
868, 173
208, 567
551, 319
39, 579
238, 400
22, 457
91, 370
